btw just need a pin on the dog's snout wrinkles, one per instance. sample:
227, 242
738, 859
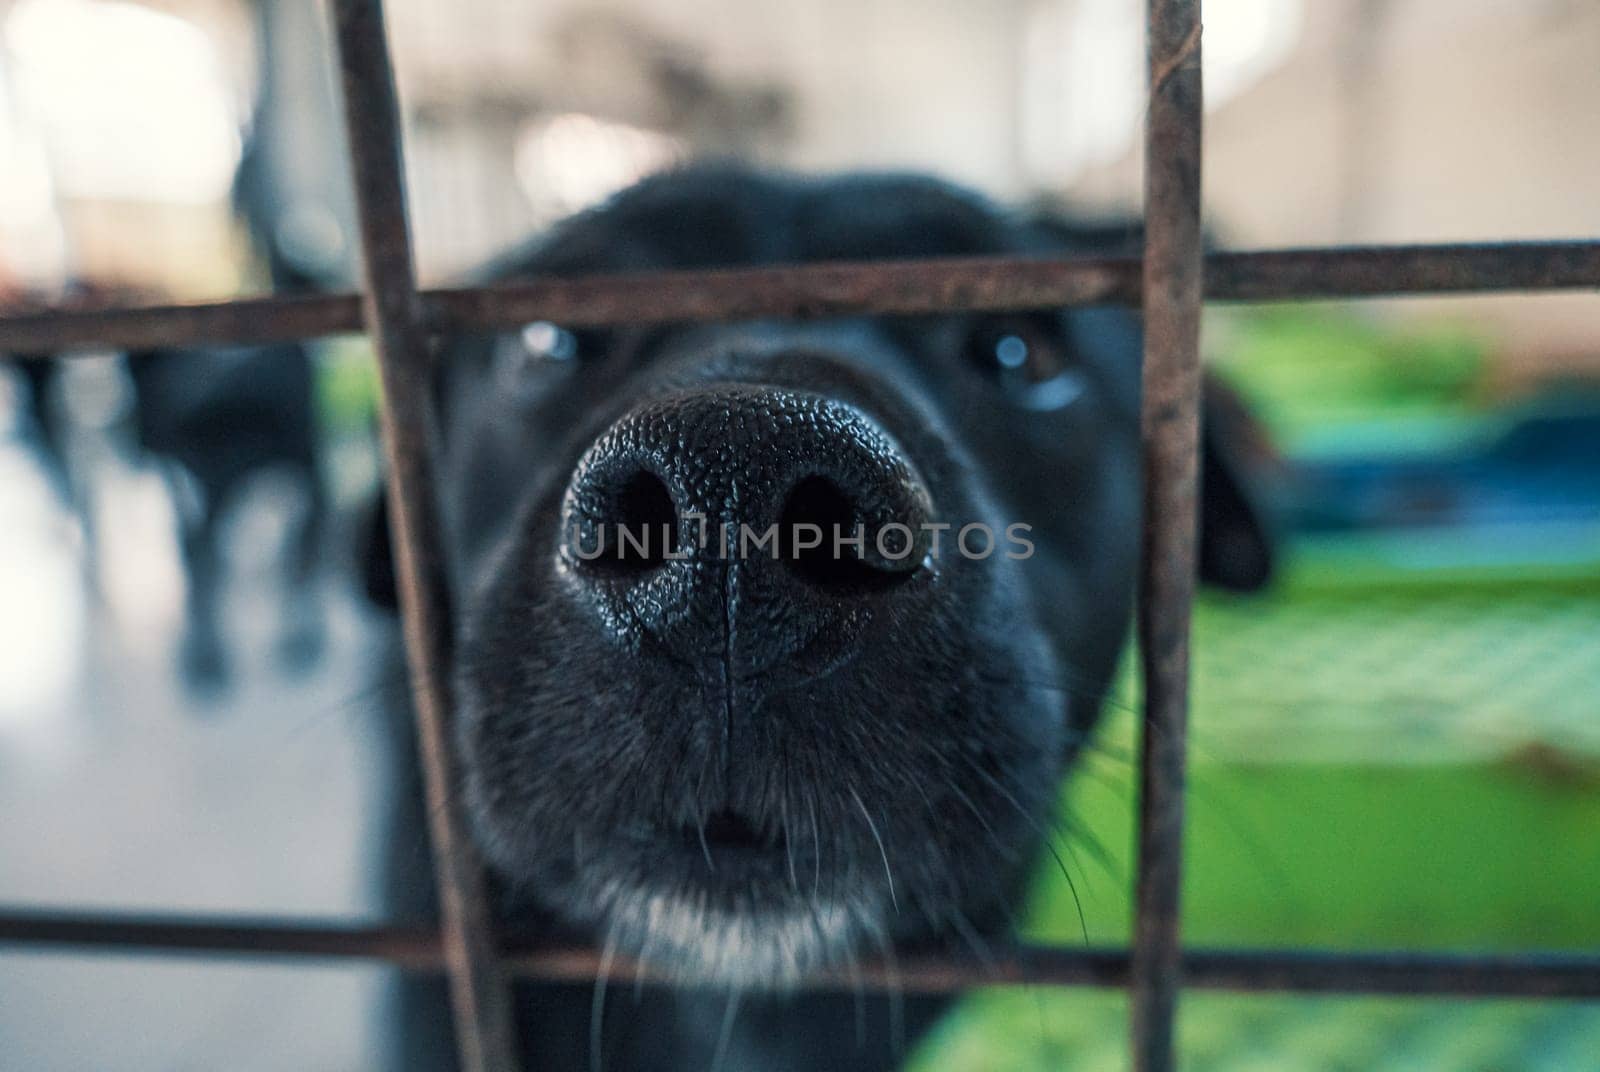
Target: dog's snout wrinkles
757, 512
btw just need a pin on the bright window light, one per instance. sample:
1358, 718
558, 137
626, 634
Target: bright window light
569, 161
130, 103
32, 245
1084, 73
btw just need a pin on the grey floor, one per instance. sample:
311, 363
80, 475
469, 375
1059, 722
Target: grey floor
118, 789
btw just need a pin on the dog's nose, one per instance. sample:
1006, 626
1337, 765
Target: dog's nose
742, 500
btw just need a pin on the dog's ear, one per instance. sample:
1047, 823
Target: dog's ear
1237, 463
375, 553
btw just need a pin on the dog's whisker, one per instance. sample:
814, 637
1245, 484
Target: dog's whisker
597, 1002
888, 873
788, 838
1044, 835
969, 934
816, 849
700, 823
852, 966
1076, 833
983, 820
705, 846
725, 1034
896, 993
640, 965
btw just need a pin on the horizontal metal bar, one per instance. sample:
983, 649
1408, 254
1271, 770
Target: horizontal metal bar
1540, 975
417, 948
1395, 271
837, 289
241, 320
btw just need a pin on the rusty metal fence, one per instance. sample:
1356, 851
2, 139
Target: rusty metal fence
1171, 281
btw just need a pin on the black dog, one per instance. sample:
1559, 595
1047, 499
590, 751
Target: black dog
213, 417
747, 763
221, 415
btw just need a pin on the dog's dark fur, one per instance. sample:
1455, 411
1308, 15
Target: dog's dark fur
746, 770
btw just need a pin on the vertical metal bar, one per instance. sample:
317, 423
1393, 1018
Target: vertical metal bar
1172, 293
393, 312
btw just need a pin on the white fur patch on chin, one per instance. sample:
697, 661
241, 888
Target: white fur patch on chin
696, 943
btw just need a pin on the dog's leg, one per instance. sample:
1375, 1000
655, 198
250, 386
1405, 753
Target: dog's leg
303, 636
202, 658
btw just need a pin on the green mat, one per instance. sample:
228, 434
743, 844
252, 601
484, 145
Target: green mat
1034, 1029
1389, 667
1382, 759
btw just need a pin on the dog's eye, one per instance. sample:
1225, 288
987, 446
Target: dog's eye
540, 347
1030, 362
544, 341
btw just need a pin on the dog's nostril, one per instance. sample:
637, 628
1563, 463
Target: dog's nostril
645, 503
642, 527
817, 506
